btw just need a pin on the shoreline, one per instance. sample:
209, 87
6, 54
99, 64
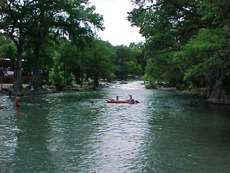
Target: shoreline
197, 92
6, 90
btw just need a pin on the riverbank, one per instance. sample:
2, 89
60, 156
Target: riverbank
215, 97
7, 89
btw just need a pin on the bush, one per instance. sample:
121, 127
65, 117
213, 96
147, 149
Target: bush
56, 77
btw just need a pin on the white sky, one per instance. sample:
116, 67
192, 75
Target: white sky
117, 28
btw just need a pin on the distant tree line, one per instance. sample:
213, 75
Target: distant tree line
57, 36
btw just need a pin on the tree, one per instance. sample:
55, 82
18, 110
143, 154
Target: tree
68, 19
122, 57
98, 61
16, 22
32, 22
71, 59
7, 48
187, 42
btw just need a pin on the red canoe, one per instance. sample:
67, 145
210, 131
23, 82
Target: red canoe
120, 101
117, 101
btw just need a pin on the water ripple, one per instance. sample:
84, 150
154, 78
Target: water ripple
65, 132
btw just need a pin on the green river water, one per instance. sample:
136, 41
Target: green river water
167, 132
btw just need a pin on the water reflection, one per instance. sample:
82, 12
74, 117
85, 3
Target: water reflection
122, 131
32, 154
8, 132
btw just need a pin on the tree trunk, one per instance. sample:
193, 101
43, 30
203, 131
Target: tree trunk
217, 94
18, 73
36, 78
79, 78
95, 82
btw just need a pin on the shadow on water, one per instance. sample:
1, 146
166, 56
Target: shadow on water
32, 153
186, 135
52, 134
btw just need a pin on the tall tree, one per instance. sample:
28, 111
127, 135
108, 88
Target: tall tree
187, 42
31, 22
98, 61
16, 22
69, 19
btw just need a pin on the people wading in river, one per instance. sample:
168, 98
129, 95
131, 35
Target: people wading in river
17, 100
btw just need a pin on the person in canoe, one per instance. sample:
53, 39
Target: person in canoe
116, 100
131, 100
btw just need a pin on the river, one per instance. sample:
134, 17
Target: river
167, 132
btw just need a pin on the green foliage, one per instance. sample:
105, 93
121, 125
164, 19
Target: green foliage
58, 37
129, 61
207, 52
187, 42
56, 76
32, 24
97, 61
7, 48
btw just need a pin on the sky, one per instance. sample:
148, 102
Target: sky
118, 29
